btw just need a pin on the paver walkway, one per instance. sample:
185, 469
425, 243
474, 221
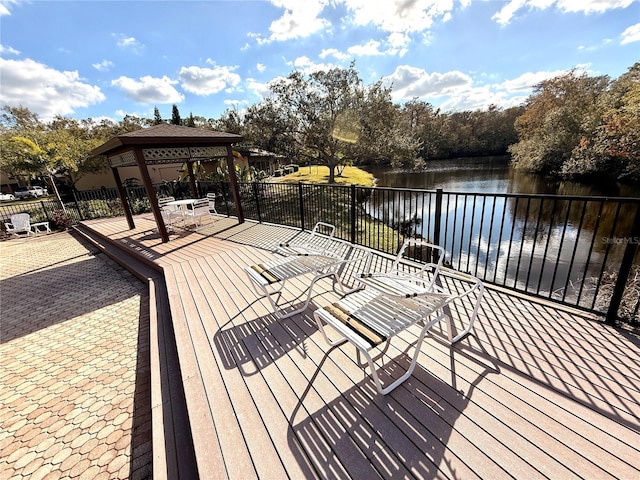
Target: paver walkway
74, 366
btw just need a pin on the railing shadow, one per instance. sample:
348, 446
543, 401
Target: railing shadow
566, 353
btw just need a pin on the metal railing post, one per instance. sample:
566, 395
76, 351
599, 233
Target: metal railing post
46, 212
437, 221
256, 196
353, 213
625, 269
301, 198
75, 200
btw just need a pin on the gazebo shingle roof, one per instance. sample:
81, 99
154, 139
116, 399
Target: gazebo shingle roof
166, 134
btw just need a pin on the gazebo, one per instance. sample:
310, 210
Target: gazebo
166, 143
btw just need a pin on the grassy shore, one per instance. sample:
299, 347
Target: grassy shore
386, 238
320, 174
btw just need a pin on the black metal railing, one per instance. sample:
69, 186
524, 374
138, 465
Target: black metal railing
578, 251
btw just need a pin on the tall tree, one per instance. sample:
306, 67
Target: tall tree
559, 113
230, 121
157, 118
614, 147
60, 147
267, 125
334, 119
175, 116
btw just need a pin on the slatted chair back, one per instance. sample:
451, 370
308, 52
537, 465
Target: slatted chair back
211, 197
169, 212
199, 209
162, 202
21, 222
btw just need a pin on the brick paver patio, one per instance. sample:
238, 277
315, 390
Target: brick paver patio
74, 367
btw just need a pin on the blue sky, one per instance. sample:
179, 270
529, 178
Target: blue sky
97, 59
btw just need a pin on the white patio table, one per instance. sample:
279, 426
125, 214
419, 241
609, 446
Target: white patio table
183, 205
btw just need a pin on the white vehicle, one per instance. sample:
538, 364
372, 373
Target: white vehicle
30, 192
6, 197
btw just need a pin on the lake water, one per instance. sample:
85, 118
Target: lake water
491, 175
555, 248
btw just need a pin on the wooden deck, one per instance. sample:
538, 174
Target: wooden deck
536, 392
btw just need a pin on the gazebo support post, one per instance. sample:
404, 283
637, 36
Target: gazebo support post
192, 180
123, 198
235, 189
151, 194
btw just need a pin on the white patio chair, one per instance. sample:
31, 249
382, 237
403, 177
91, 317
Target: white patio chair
411, 279
170, 213
21, 223
213, 213
318, 242
313, 257
396, 300
197, 210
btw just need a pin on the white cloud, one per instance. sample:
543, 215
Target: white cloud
305, 65
480, 98
592, 6
504, 16
372, 47
398, 43
5, 6
260, 67
8, 50
335, 53
300, 19
528, 80
457, 91
408, 82
149, 89
129, 43
400, 15
43, 90
592, 48
207, 81
103, 66
631, 34
259, 89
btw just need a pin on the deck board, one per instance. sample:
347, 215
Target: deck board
536, 392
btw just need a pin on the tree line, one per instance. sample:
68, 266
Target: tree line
573, 125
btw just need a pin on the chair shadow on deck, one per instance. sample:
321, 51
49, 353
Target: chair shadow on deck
255, 344
359, 433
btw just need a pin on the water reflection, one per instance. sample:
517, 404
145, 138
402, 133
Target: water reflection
556, 248
491, 175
